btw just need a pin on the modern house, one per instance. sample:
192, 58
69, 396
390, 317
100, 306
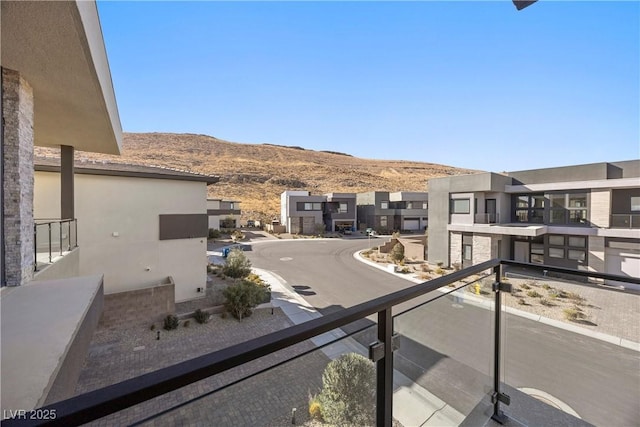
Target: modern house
304, 213
136, 226
584, 217
56, 92
223, 213
384, 211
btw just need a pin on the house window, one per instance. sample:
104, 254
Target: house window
383, 221
568, 208
556, 253
556, 240
409, 205
384, 205
467, 252
309, 206
231, 205
460, 206
635, 203
537, 253
577, 241
529, 208
425, 206
577, 255
343, 208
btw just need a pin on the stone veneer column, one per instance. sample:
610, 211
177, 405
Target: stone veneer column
455, 248
17, 110
482, 248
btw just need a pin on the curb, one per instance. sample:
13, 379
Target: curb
478, 302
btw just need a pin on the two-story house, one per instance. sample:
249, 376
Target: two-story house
582, 217
387, 211
304, 213
223, 213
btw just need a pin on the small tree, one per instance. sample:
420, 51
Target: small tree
237, 265
348, 394
397, 252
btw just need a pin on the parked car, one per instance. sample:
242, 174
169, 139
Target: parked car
370, 232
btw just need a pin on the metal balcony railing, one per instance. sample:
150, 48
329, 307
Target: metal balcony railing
487, 218
437, 329
52, 239
625, 221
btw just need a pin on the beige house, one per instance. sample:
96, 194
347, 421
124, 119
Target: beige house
136, 225
223, 213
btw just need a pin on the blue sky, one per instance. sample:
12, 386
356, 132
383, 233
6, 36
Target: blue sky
468, 84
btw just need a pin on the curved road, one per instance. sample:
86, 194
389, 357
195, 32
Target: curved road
447, 347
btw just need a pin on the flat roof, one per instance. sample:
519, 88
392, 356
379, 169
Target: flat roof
50, 164
58, 48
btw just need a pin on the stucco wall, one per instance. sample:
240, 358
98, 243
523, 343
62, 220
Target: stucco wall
118, 229
600, 208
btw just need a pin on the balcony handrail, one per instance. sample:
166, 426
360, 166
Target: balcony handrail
99, 403
49, 222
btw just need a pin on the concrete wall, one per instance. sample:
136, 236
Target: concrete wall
146, 305
600, 208
562, 174
118, 230
67, 266
17, 169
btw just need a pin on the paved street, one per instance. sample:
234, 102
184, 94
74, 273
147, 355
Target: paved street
447, 348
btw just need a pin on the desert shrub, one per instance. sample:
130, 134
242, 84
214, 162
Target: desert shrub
201, 316
525, 286
534, 294
440, 264
573, 313
440, 271
213, 233
367, 253
237, 265
171, 322
546, 287
315, 408
237, 235
186, 323
456, 266
521, 301
242, 297
425, 267
348, 394
397, 252
211, 268
404, 270
576, 298
546, 302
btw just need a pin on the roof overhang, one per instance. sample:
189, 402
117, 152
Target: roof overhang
58, 48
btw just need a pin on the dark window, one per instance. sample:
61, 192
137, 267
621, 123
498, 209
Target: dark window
529, 208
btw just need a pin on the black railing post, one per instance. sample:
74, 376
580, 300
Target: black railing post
60, 236
384, 369
49, 243
35, 247
497, 396
75, 241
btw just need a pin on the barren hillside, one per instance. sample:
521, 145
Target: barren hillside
256, 174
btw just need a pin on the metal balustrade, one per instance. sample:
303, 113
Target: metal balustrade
53, 238
435, 305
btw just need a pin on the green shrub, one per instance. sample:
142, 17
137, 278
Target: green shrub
242, 297
237, 265
213, 233
546, 287
348, 394
237, 235
525, 286
397, 252
440, 271
534, 294
171, 322
201, 316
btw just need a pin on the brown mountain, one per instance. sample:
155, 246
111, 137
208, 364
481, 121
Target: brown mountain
256, 174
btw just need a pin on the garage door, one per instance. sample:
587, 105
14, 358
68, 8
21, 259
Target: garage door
411, 224
624, 262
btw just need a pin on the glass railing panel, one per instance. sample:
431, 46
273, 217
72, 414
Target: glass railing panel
443, 367
65, 235
329, 379
43, 255
571, 352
